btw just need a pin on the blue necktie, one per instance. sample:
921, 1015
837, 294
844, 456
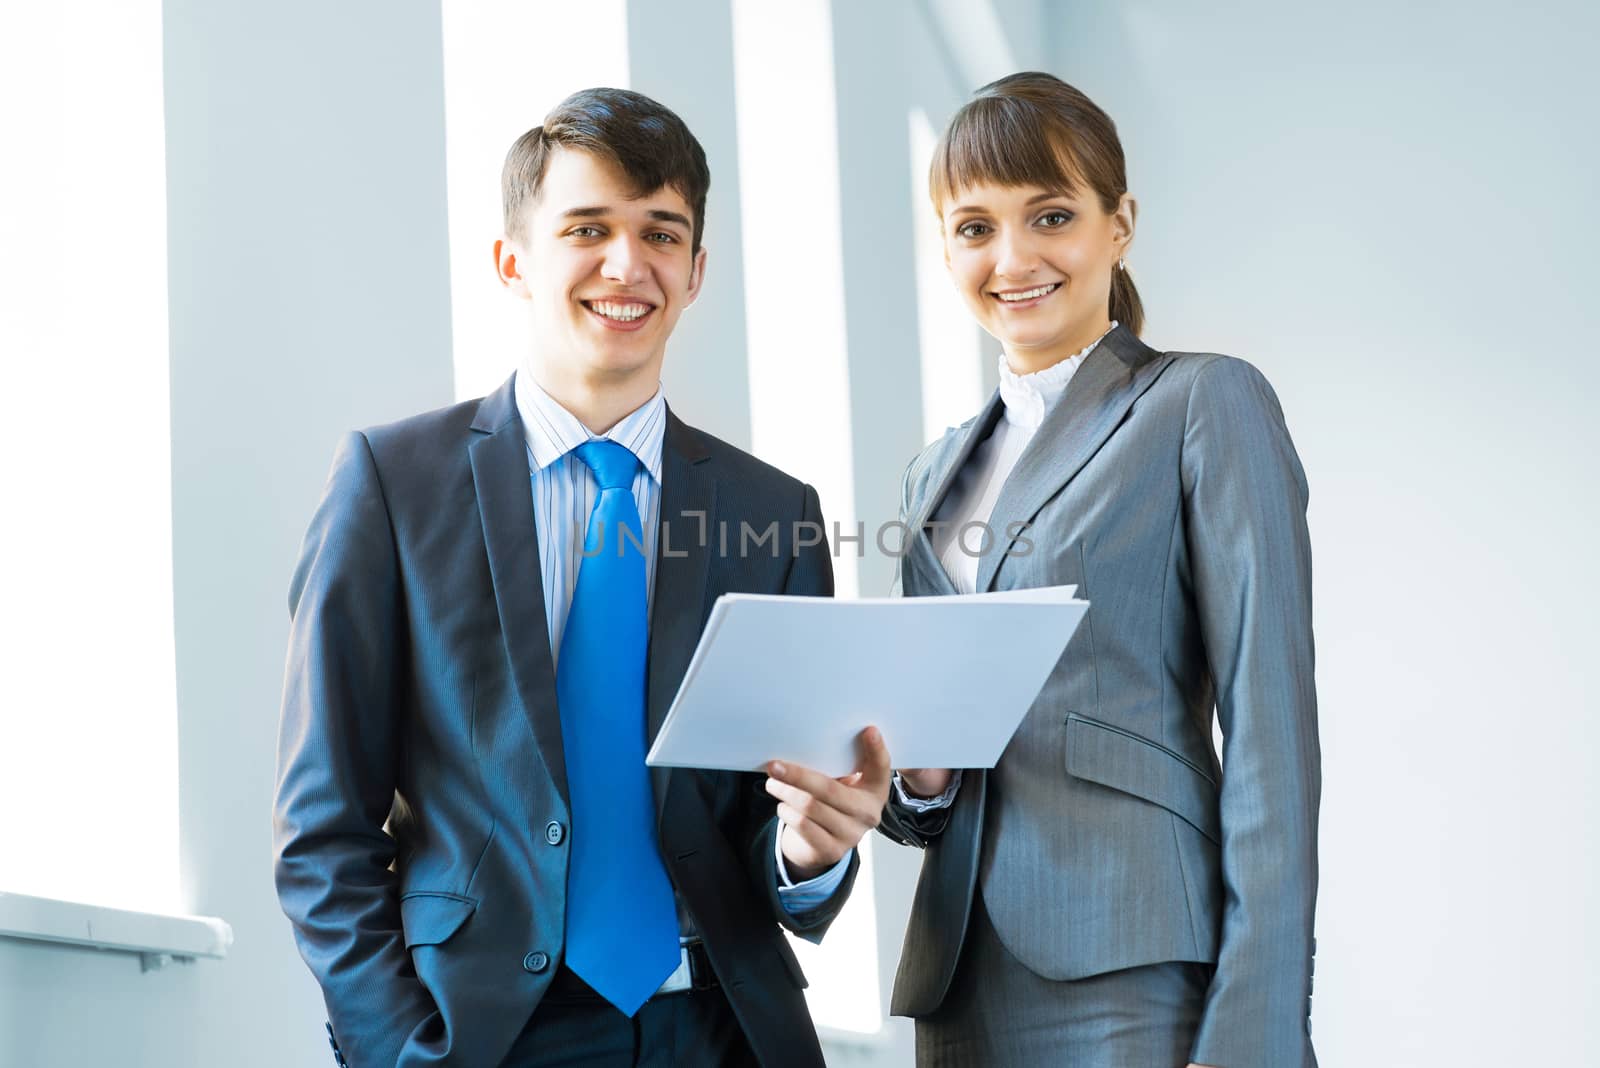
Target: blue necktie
622, 924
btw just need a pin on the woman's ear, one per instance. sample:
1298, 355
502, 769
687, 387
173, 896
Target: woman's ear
1122, 223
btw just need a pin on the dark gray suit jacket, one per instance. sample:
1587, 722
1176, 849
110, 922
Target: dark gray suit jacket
420, 683
1166, 487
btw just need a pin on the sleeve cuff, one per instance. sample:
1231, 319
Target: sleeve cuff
800, 898
927, 804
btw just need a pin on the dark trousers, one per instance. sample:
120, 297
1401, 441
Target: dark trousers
574, 1026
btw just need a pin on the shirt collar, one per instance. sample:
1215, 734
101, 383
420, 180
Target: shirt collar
1028, 397
552, 431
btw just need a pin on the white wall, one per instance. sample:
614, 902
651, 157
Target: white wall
1389, 209
309, 294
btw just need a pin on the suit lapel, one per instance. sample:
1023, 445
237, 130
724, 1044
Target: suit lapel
920, 552
683, 558
504, 490
1119, 369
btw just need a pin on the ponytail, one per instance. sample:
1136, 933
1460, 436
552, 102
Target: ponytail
1126, 307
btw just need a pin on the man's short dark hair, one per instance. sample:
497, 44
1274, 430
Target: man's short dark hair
647, 141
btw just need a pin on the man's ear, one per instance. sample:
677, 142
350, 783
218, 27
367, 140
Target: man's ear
697, 276
505, 265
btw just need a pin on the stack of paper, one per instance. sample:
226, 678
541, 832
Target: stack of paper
946, 679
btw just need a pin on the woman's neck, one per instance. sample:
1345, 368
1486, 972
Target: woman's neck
1027, 361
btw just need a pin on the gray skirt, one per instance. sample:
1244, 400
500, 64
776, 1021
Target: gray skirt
999, 1014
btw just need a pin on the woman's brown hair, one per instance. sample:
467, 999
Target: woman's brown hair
1035, 129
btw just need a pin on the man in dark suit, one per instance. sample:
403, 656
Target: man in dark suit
494, 606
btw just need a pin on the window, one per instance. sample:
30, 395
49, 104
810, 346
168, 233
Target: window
89, 714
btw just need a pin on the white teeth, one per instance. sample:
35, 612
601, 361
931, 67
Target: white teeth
1027, 294
625, 313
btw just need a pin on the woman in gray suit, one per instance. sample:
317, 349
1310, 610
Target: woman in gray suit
1111, 893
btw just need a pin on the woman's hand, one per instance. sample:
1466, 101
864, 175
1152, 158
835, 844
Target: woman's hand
824, 818
925, 782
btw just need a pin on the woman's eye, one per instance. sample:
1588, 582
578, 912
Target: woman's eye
972, 229
1056, 218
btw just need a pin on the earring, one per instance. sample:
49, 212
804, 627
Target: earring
1122, 265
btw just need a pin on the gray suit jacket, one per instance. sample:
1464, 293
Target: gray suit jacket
1166, 487
420, 690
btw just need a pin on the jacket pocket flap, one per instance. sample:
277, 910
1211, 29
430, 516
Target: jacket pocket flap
432, 917
1122, 760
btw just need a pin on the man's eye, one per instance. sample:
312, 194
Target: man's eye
972, 229
1056, 218
585, 231
661, 238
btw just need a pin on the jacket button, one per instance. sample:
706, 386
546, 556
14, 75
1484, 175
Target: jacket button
554, 832
536, 962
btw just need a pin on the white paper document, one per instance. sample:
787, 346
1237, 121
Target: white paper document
947, 679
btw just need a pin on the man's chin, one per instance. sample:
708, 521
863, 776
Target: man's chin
617, 364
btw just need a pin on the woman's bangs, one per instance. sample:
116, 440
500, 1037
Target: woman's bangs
1003, 142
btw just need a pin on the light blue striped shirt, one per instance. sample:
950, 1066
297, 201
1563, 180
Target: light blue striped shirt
564, 491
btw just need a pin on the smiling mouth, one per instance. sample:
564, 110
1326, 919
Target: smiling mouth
1026, 296
619, 311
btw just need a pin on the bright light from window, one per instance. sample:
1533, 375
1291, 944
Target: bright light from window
799, 369
88, 721
507, 63
793, 257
